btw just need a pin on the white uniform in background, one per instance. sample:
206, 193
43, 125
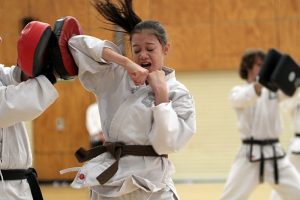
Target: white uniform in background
128, 115
292, 107
258, 118
19, 102
93, 123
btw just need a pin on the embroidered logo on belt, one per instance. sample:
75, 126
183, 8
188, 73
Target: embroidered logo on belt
148, 100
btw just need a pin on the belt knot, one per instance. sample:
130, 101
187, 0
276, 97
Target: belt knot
115, 149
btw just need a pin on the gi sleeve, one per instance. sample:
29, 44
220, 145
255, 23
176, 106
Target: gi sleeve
243, 96
10, 75
94, 72
174, 124
25, 101
289, 105
282, 97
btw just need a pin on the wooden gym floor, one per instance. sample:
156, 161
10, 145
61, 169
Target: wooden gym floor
201, 191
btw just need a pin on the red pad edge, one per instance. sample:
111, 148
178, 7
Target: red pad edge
64, 29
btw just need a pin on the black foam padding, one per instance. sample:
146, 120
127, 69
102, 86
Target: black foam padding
270, 62
286, 76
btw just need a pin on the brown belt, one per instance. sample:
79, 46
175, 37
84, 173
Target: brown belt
117, 150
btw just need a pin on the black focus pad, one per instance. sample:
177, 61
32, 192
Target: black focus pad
286, 76
272, 58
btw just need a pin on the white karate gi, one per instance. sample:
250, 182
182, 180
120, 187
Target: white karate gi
259, 117
292, 107
19, 102
128, 115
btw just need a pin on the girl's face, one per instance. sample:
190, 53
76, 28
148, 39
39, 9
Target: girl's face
147, 51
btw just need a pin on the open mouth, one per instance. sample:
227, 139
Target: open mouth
146, 65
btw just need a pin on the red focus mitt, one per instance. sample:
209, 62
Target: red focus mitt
64, 29
32, 48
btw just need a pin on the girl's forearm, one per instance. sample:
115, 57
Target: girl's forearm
111, 56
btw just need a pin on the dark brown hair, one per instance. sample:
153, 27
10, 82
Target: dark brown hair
121, 14
249, 58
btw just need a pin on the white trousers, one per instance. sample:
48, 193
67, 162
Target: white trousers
12, 190
295, 160
244, 177
139, 195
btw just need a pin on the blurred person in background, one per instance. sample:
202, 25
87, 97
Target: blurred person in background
292, 107
261, 156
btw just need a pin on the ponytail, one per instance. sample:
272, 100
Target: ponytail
121, 14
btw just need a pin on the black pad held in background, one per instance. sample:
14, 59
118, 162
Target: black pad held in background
272, 58
286, 76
